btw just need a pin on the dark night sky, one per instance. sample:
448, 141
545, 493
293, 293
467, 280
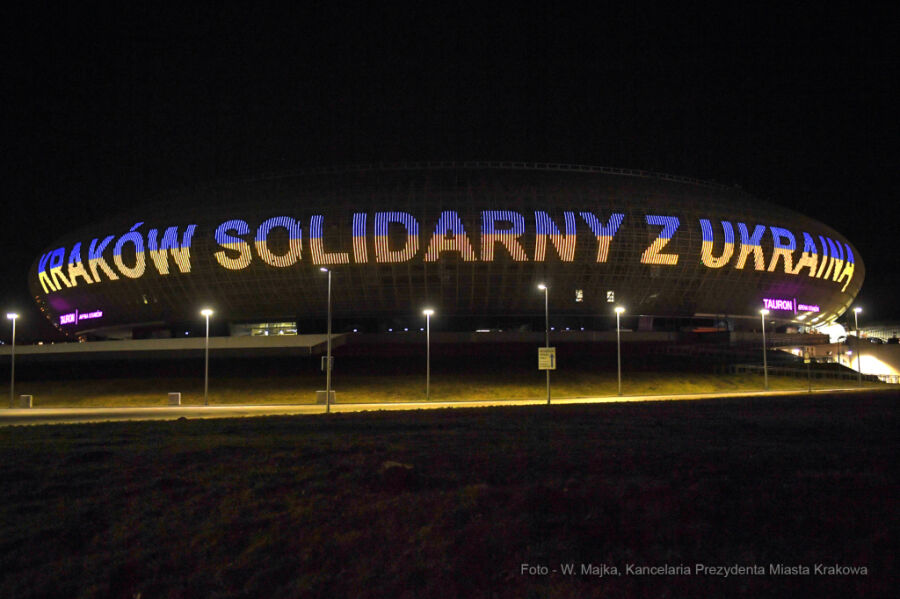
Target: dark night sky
105, 107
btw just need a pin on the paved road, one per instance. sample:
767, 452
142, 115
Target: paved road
11, 417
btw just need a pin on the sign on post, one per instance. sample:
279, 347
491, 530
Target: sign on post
546, 358
806, 357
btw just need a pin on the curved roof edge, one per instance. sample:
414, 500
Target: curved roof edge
498, 165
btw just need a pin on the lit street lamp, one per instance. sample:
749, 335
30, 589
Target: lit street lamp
12, 361
543, 288
207, 313
856, 312
328, 350
619, 310
428, 313
763, 313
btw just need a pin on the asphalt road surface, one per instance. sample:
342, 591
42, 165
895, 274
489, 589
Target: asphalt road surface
32, 416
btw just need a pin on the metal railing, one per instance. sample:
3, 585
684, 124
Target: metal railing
801, 372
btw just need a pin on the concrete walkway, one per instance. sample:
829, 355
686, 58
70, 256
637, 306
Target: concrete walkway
33, 416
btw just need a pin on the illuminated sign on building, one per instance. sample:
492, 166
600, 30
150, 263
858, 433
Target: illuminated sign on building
788, 305
779, 304
398, 237
76, 317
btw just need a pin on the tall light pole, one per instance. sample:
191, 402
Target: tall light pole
543, 288
763, 313
12, 361
328, 350
427, 312
207, 313
856, 312
619, 310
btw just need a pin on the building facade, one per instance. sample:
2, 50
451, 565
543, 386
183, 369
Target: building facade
471, 240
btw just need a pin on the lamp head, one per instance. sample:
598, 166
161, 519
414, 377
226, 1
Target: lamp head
764, 312
542, 287
323, 269
12, 315
857, 310
427, 311
619, 309
206, 312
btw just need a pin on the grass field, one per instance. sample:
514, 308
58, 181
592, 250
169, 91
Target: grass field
396, 388
451, 503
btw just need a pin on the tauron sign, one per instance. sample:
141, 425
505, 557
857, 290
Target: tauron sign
788, 305
132, 254
76, 316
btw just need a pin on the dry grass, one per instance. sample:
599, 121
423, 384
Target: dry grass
305, 506
396, 388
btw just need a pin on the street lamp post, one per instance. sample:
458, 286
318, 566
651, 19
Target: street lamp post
856, 312
427, 312
619, 310
328, 349
12, 361
207, 313
763, 313
543, 288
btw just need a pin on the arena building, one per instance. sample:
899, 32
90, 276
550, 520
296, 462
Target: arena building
471, 240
